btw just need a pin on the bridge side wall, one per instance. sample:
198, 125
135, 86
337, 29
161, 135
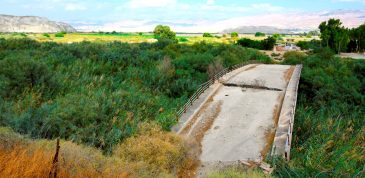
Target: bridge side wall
283, 135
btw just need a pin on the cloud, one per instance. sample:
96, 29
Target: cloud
74, 7
260, 7
267, 7
305, 21
210, 2
151, 3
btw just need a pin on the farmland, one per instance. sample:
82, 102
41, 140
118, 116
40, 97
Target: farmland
139, 37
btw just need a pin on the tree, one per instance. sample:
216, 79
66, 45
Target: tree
164, 32
329, 32
276, 36
259, 34
206, 34
234, 35
341, 39
268, 43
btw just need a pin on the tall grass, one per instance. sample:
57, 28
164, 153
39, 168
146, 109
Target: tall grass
166, 155
329, 131
97, 93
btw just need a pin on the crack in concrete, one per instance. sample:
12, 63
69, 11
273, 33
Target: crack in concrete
251, 86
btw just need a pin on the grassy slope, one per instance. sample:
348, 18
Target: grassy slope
166, 155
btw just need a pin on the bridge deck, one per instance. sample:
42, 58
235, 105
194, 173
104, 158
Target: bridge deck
238, 119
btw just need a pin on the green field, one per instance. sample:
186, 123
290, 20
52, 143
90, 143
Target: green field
138, 37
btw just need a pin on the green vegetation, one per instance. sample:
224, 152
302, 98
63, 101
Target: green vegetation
329, 133
266, 44
46, 35
237, 172
306, 45
97, 93
341, 39
164, 33
234, 35
207, 35
259, 34
60, 35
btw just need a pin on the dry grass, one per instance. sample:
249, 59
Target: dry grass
236, 172
155, 153
20, 157
151, 153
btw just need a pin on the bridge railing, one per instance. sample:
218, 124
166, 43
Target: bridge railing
201, 89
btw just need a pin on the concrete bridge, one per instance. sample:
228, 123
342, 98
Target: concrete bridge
243, 116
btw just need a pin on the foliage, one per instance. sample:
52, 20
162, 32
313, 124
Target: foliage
59, 35
276, 36
334, 35
329, 122
97, 93
306, 45
183, 39
234, 35
46, 35
259, 34
357, 39
164, 32
266, 44
206, 34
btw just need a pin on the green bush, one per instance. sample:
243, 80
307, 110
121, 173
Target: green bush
60, 35
183, 39
46, 35
206, 34
19, 74
266, 44
234, 35
259, 34
328, 138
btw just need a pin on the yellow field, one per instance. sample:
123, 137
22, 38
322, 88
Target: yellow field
138, 38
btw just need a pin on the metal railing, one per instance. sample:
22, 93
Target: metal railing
201, 89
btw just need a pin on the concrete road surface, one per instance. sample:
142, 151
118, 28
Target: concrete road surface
238, 119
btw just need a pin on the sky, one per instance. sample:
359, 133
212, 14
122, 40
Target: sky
188, 15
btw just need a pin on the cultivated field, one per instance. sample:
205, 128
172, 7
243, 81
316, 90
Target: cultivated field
141, 37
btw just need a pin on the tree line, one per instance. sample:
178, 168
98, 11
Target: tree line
341, 39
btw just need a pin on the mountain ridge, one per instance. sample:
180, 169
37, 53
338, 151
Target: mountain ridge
32, 24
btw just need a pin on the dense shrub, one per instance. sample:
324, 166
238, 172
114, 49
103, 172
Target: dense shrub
60, 35
329, 122
266, 44
306, 45
46, 35
19, 74
259, 34
97, 93
207, 35
234, 35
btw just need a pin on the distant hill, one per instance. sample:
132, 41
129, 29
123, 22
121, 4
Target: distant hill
264, 29
9, 23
